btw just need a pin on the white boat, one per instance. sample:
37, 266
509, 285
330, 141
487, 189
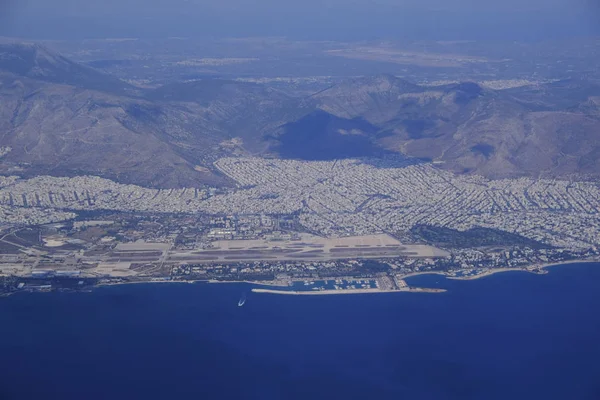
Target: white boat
242, 300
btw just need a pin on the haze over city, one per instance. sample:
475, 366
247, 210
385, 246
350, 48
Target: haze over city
312, 19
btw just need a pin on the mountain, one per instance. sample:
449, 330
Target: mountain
548, 130
323, 136
62, 118
59, 117
241, 110
376, 99
64, 130
37, 62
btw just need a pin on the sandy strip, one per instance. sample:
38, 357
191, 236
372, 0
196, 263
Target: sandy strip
524, 269
356, 291
557, 264
500, 270
345, 291
99, 284
259, 283
490, 273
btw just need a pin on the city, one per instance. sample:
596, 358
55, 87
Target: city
290, 220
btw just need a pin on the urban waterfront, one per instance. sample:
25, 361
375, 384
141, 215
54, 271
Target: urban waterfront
510, 335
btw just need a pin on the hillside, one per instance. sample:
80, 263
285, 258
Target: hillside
550, 130
236, 110
35, 61
63, 130
62, 118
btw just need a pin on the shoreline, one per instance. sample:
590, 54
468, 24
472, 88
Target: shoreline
492, 272
260, 283
344, 291
207, 281
529, 269
558, 264
532, 269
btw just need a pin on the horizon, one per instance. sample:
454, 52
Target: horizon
310, 20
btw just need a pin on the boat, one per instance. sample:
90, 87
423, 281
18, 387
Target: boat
242, 300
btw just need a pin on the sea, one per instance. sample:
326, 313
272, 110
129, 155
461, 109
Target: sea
512, 335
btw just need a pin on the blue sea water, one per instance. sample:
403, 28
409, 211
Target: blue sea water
508, 336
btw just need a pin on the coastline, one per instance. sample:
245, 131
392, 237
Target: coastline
558, 264
345, 291
490, 273
277, 287
529, 269
542, 269
260, 283
208, 281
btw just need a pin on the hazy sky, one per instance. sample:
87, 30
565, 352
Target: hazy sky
313, 19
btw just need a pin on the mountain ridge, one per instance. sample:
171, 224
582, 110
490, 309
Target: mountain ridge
35, 61
64, 118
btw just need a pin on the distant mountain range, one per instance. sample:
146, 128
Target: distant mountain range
550, 130
59, 117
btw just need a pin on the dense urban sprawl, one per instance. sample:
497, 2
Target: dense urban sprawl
335, 198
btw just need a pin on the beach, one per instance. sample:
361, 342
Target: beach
532, 269
345, 291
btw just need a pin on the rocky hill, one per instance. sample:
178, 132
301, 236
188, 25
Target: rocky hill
547, 130
59, 117
37, 62
64, 130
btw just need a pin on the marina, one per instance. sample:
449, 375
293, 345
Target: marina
335, 284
